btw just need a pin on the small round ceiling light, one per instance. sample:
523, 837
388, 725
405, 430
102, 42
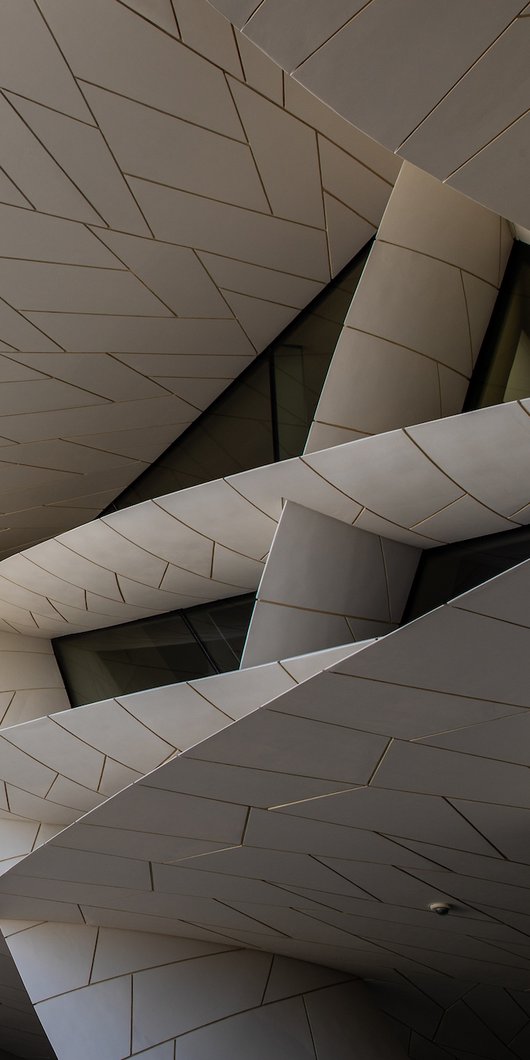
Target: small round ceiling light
441, 908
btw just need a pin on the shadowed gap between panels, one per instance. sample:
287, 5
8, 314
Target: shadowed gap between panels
502, 371
451, 570
265, 414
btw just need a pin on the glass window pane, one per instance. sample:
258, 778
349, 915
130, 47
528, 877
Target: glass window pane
222, 629
240, 430
299, 374
302, 359
233, 435
181, 646
129, 658
447, 571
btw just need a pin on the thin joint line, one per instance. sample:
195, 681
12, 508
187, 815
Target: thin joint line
515, 713
15, 185
322, 196
49, 154
326, 136
475, 827
485, 146
107, 758
176, 19
427, 518
440, 398
249, 145
309, 1027
95, 948
443, 261
488, 48
411, 349
159, 110
320, 611
483, 614
156, 25
204, 267
327, 39
471, 351
267, 980
449, 477
238, 53
58, 347
387, 584
380, 761
131, 272
46, 106
109, 149
223, 202
332, 195
424, 688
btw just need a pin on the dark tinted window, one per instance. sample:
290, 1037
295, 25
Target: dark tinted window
180, 646
450, 570
266, 413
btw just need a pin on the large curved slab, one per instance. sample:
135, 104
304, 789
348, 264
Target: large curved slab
456, 77
422, 735
418, 316
57, 767
423, 486
320, 826
158, 994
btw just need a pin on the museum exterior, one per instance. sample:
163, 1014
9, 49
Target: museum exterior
264, 530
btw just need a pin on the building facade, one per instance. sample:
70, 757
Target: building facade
264, 544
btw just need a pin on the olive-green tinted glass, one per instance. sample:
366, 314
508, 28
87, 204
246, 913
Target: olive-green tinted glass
180, 646
266, 413
450, 570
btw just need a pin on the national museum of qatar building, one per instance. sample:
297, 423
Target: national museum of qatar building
265, 529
